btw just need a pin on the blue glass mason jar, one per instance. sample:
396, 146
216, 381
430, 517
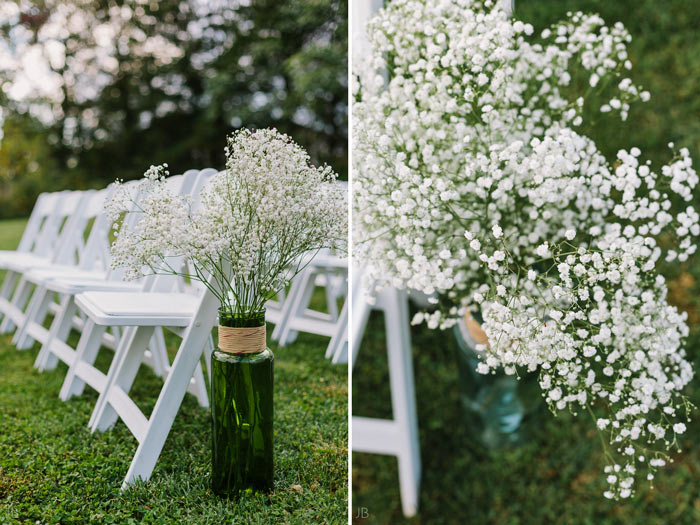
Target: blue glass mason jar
242, 407
496, 405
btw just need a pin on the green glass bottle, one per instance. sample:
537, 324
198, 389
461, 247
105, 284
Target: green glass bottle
498, 406
242, 413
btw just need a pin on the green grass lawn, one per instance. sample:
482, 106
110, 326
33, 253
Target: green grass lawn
556, 476
52, 470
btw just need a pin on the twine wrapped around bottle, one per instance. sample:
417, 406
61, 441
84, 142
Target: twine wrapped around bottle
475, 331
248, 340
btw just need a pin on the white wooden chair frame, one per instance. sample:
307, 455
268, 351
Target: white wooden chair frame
114, 401
81, 361
34, 244
66, 284
398, 436
92, 257
327, 271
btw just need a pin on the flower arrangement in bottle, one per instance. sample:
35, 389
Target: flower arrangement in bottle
475, 183
250, 231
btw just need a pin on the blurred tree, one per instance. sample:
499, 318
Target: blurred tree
122, 84
26, 165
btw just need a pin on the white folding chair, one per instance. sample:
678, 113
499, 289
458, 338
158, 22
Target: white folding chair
63, 280
92, 261
34, 244
34, 240
67, 284
398, 436
57, 245
192, 317
81, 369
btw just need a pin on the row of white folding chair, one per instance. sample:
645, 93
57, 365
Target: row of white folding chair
166, 288
76, 215
66, 281
92, 259
191, 316
53, 242
87, 275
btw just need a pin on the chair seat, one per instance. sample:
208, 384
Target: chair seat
138, 308
42, 274
20, 261
75, 285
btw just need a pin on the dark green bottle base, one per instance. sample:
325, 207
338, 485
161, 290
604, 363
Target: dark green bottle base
242, 416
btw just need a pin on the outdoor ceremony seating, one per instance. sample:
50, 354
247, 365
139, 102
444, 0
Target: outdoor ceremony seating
190, 316
293, 313
61, 268
66, 281
52, 241
81, 367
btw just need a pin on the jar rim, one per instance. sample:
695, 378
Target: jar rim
227, 313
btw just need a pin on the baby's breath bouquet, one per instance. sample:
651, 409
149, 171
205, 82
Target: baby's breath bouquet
253, 228
475, 183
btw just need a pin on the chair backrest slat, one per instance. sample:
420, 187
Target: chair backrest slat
44, 207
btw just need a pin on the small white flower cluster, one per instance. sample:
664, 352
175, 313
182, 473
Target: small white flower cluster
251, 227
598, 328
473, 182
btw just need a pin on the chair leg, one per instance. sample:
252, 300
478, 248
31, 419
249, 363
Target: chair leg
19, 301
287, 311
403, 398
36, 313
59, 331
331, 296
159, 351
8, 285
86, 352
122, 371
198, 388
341, 333
168, 403
299, 304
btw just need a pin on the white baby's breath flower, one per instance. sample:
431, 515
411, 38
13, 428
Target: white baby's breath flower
253, 226
473, 142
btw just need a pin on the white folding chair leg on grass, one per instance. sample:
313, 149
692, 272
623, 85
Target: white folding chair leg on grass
114, 401
397, 437
128, 310
327, 271
273, 309
337, 350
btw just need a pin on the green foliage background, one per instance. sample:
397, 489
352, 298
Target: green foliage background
284, 65
556, 477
